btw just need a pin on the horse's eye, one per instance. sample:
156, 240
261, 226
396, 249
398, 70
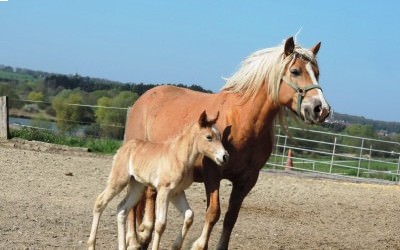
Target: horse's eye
209, 138
295, 72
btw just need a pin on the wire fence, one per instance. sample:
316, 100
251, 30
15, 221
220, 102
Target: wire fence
68, 118
310, 150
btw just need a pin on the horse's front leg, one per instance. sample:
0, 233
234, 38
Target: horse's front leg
239, 192
212, 178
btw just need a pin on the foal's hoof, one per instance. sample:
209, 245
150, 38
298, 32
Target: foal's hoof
133, 248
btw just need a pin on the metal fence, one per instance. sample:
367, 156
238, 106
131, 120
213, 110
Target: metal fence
337, 154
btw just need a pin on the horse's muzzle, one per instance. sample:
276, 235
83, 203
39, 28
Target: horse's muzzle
314, 112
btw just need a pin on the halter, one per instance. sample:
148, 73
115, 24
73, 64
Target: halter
301, 92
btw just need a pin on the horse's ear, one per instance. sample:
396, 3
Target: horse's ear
203, 120
315, 49
289, 46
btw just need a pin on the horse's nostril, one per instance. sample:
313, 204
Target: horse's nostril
317, 109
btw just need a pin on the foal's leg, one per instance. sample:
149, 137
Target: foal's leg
162, 201
211, 182
239, 192
135, 190
182, 205
113, 188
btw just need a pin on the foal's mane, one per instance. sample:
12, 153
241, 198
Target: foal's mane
265, 65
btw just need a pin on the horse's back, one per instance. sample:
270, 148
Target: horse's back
163, 111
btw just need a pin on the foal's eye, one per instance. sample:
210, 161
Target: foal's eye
209, 138
295, 72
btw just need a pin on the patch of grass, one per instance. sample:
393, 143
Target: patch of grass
106, 146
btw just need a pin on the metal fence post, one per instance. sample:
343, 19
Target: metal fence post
333, 155
277, 145
284, 150
4, 130
398, 168
359, 158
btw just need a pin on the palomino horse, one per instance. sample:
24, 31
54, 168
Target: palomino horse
167, 167
268, 81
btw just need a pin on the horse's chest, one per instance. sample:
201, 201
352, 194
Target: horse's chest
247, 157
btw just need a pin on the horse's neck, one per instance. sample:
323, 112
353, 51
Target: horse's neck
254, 117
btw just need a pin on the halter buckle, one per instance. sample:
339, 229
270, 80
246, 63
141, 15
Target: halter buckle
301, 91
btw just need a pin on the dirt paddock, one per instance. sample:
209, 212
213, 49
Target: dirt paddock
46, 201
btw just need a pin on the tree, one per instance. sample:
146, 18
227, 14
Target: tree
67, 113
35, 96
361, 130
112, 119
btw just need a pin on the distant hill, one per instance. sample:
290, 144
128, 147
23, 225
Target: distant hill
386, 127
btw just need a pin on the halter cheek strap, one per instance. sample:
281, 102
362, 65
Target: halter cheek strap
301, 92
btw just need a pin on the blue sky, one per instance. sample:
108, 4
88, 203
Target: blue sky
199, 42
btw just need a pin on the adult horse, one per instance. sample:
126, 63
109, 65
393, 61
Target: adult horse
268, 81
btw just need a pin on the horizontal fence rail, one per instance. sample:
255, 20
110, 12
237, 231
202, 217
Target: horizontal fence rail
337, 154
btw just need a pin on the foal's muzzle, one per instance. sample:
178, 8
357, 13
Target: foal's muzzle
222, 159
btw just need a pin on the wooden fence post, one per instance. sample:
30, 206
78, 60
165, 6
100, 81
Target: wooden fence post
4, 132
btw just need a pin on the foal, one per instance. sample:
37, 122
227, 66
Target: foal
168, 167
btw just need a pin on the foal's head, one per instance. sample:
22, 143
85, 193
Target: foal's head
208, 140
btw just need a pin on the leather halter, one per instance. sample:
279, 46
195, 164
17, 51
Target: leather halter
301, 92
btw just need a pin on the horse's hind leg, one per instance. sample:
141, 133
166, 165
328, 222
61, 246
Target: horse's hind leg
113, 188
182, 205
145, 213
134, 192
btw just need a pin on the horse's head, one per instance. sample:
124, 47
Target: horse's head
299, 87
208, 140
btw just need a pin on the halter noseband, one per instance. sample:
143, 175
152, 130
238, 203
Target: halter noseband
301, 92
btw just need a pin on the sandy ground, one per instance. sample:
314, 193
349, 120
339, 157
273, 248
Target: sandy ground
46, 201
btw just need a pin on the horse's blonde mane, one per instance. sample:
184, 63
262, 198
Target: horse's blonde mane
265, 65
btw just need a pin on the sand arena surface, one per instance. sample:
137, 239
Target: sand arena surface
46, 201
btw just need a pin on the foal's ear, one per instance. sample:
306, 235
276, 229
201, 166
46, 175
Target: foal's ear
315, 49
204, 122
213, 121
289, 46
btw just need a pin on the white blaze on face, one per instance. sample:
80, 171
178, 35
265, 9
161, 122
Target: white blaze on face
216, 131
315, 82
220, 154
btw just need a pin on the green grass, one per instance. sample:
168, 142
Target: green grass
106, 146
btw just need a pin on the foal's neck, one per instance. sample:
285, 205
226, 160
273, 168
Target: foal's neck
184, 147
